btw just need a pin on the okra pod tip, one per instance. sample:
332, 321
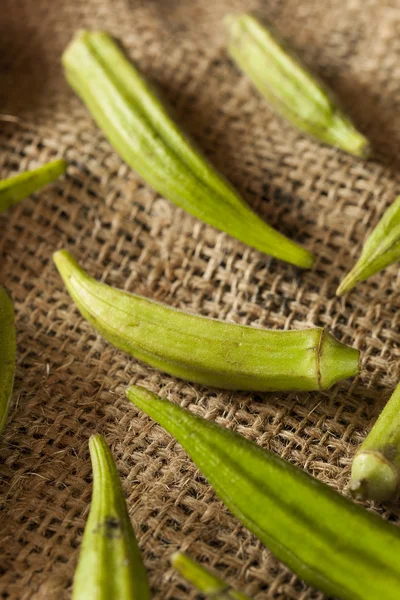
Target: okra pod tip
66, 263
205, 581
16, 188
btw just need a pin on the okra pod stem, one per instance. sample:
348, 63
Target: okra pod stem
381, 249
110, 565
205, 350
375, 472
142, 130
287, 86
205, 581
7, 355
327, 540
17, 188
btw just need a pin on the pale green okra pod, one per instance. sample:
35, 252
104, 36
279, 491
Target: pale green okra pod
142, 130
17, 188
205, 581
205, 350
287, 86
7, 355
326, 539
110, 565
375, 472
381, 249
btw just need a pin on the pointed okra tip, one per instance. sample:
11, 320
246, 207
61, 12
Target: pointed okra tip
57, 167
66, 264
343, 134
198, 575
81, 42
97, 442
177, 558
373, 477
141, 397
80, 37
351, 279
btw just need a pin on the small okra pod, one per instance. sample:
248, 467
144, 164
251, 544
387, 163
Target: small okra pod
17, 188
141, 129
375, 472
329, 541
7, 355
289, 89
110, 565
381, 249
206, 582
205, 350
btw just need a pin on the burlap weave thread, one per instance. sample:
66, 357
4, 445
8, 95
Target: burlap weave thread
70, 383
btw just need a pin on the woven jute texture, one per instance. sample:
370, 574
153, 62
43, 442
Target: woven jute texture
70, 383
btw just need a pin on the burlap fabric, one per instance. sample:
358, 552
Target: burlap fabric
70, 383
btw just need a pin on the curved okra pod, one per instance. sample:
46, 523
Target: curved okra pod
110, 565
327, 540
288, 87
17, 188
203, 580
205, 350
142, 130
381, 249
375, 472
7, 355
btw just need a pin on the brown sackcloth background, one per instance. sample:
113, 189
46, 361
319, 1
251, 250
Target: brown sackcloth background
70, 383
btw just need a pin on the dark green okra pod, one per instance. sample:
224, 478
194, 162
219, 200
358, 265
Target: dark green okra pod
206, 350
288, 87
110, 565
330, 542
205, 581
142, 130
17, 188
7, 354
381, 249
375, 472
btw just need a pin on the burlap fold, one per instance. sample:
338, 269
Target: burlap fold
70, 383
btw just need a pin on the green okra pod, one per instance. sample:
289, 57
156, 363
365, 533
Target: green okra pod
375, 472
17, 188
110, 565
290, 90
205, 350
381, 249
140, 127
327, 540
205, 581
7, 354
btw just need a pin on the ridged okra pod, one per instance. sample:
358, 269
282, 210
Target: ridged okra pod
141, 129
205, 350
205, 581
7, 355
288, 87
381, 249
110, 565
20, 186
327, 540
375, 472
